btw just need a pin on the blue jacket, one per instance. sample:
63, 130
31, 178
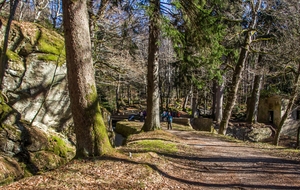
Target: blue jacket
170, 118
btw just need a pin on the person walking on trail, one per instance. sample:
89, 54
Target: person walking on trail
169, 121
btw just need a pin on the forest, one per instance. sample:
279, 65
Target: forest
75, 76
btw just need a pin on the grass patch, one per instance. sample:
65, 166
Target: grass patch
155, 146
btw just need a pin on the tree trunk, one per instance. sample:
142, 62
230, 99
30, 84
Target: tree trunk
289, 107
186, 100
39, 8
214, 102
91, 134
13, 7
252, 113
161, 95
236, 79
129, 95
192, 96
22, 8
194, 106
232, 94
205, 103
298, 138
117, 95
219, 99
153, 121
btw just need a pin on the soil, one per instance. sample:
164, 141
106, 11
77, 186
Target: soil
228, 165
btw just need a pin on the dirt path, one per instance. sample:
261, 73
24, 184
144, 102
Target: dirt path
227, 165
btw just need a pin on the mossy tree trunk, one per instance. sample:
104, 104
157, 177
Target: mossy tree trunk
214, 102
289, 107
91, 134
253, 108
219, 103
152, 121
239, 68
13, 7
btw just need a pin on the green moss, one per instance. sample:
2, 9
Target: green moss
12, 131
128, 128
100, 140
49, 43
156, 146
47, 57
52, 44
13, 56
58, 146
7, 180
5, 110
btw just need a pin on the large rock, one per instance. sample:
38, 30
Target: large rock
258, 134
254, 133
35, 81
34, 86
26, 150
203, 124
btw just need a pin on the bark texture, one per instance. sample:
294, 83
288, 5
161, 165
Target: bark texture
219, 99
152, 121
91, 134
298, 138
253, 108
195, 103
129, 94
214, 102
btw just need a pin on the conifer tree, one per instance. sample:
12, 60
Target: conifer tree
91, 134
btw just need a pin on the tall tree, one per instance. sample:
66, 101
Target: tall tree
152, 121
239, 68
91, 134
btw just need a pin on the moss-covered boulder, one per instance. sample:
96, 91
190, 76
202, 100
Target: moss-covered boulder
10, 170
25, 149
127, 128
33, 152
36, 57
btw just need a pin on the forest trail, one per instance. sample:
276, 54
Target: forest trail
228, 165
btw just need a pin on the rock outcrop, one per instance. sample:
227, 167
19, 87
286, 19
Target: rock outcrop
36, 132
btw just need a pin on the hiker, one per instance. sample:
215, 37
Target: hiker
178, 114
141, 116
169, 118
173, 113
145, 114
